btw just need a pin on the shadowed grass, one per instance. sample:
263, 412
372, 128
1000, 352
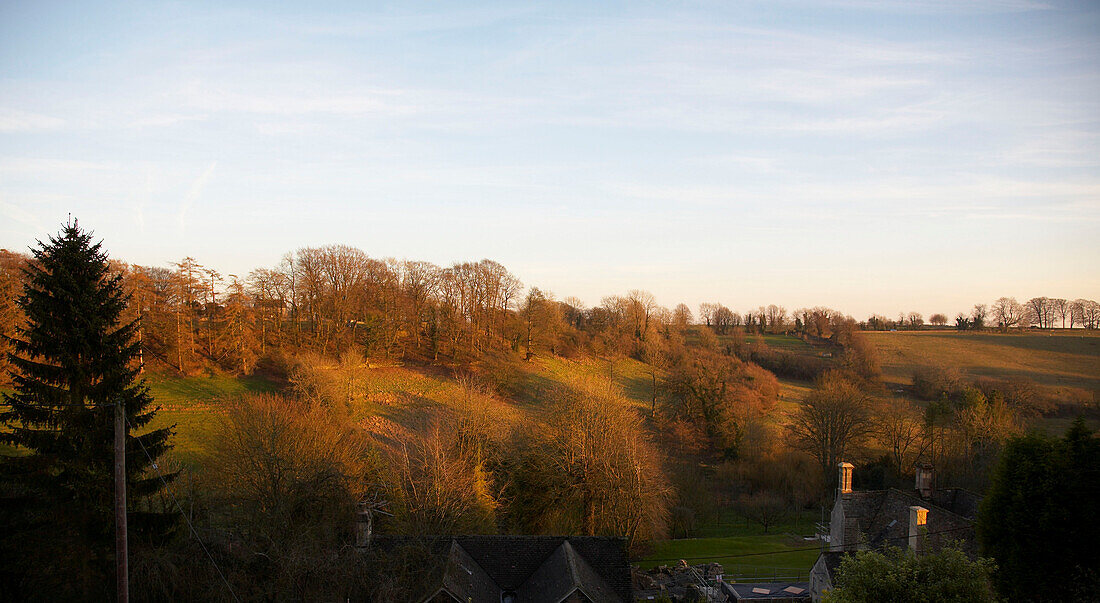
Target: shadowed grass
192, 405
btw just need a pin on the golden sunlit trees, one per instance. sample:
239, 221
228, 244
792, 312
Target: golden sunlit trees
11, 317
186, 290
542, 322
681, 318
240, 343
287, 466
442, 486
590, 469
719, 394
448, 479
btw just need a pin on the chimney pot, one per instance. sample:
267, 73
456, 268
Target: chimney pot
845, 481
918, 523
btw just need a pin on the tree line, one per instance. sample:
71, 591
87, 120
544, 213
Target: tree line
1004, 314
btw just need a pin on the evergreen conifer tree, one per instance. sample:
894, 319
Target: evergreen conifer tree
73, 362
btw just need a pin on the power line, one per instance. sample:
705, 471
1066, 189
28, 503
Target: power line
740, 555
185, 517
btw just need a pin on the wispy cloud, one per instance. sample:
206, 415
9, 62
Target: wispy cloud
15, 120
194, 193
166, 120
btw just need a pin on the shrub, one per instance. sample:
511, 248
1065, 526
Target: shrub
933, 382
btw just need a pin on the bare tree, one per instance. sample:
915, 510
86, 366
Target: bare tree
591, 468
542, 321
1040, 311
899, 430
286, 467
723, 319
763, 508
1062, 309
706, 312
640, 308
833, 421
938, 319
777, 318
1086, 313
1008, 312
682, 317
915, 320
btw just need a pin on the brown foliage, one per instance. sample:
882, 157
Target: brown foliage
590, 468
282, 464
719, 394
833, 422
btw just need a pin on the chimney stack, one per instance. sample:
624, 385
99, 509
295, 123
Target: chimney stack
845, 478
924, 480
918, 524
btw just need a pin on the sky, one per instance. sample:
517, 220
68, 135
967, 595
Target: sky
877, 157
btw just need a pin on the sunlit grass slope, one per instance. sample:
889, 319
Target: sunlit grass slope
1066, 364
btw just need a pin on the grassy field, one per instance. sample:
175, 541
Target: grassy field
1065, 364
192, 404
745, 558
783, 342
743, 548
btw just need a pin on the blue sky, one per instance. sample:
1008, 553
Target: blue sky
870, 156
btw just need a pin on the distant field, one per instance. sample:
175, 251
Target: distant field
1065, 364
783, 342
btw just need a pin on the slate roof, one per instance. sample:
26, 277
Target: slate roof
562, 574
832, 560
538, 569
464, 579
882, 516
511, 560
958, 501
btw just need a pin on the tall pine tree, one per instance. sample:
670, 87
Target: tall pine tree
73, 362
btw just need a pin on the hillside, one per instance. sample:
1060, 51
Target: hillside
392, 398
397, 402
1066, 365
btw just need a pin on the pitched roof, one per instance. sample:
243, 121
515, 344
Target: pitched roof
511, 560
882, 516
464, 579
543, 569
562, 574
831, 561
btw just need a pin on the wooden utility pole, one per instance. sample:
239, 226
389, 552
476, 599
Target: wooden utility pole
121, 555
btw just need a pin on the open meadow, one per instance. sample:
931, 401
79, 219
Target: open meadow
1065, 364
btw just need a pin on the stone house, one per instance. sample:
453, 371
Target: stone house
924, 519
